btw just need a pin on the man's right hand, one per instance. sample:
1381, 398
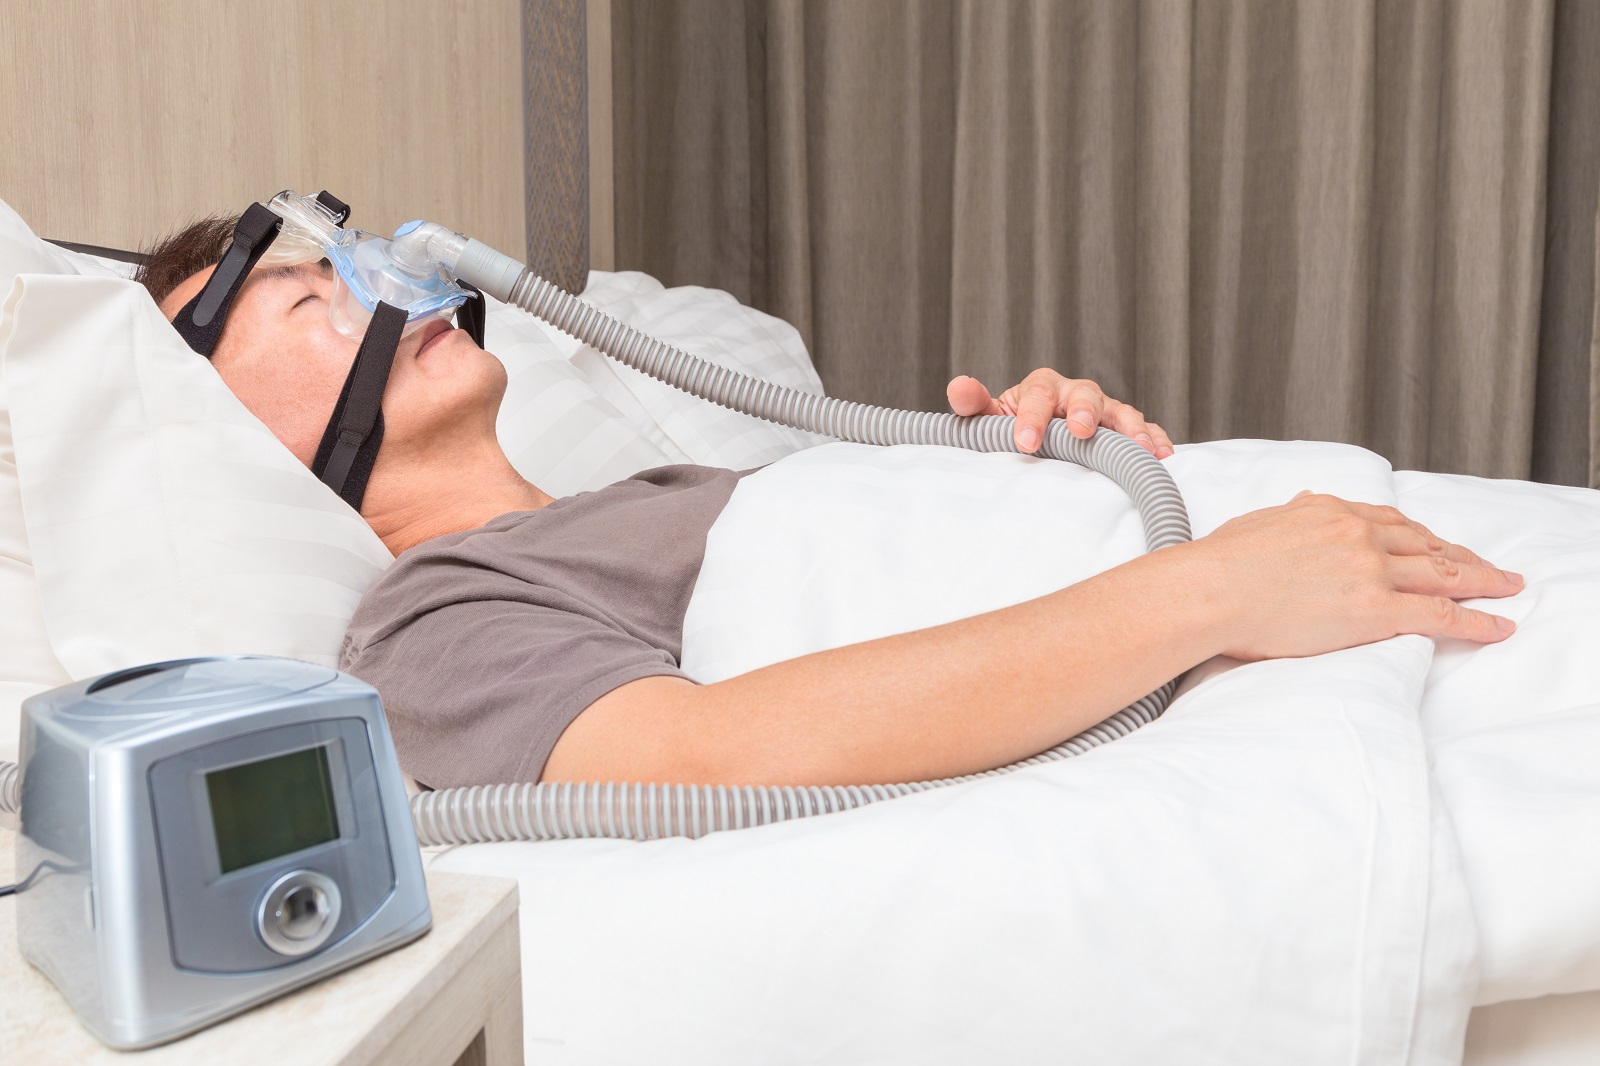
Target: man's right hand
1319, 573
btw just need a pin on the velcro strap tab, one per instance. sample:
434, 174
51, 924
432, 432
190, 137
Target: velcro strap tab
340, 209
201, 320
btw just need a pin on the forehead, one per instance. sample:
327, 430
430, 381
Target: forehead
262, 278
293, 272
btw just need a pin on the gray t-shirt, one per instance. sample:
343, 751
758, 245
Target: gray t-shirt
485, 645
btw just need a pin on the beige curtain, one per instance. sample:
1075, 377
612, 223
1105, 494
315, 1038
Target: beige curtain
1341, 219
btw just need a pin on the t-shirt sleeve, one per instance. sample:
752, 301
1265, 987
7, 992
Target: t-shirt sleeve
478, 692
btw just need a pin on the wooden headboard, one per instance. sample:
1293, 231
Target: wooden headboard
125, 118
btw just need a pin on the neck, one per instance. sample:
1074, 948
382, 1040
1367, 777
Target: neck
441, 500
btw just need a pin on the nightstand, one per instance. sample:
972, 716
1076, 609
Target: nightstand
453, 996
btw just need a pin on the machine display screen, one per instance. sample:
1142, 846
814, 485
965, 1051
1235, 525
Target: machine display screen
261, 810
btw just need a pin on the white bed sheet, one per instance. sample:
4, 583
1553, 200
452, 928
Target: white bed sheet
1268, 874
1232, 885
1512, 729
1514, 732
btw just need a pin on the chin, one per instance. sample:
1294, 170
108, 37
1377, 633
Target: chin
470, 392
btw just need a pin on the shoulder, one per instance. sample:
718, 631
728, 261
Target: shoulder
545, 557
517, 527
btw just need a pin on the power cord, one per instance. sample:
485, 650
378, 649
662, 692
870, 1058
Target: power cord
52, 867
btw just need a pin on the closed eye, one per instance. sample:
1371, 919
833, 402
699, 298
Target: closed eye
303, 299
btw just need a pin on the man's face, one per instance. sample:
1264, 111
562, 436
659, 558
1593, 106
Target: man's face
283, 359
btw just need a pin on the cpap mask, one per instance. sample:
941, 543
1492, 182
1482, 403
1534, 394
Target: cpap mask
384, 289
366, 270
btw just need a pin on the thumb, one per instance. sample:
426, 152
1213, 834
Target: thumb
968, 396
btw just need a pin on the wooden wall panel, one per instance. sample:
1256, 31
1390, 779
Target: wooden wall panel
121, 118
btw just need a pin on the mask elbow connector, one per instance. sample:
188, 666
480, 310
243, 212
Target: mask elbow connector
424, 248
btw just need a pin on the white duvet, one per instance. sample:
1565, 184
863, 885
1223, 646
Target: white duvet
1323, 860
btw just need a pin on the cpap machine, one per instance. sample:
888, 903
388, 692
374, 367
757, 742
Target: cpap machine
202, 835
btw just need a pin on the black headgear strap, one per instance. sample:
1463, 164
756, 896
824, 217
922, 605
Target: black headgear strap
350, 443
201, 320
472, 315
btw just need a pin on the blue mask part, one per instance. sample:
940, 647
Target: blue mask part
365, 267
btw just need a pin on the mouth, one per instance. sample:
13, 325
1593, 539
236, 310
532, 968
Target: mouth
432, 332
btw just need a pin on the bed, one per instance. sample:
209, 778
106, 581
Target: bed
1400, 871
1234, 884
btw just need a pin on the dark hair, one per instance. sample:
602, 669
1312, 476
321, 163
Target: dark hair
181, 255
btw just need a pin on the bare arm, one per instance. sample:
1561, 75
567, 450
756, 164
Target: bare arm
1312, 576
937, 702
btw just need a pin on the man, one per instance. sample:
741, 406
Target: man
522, 638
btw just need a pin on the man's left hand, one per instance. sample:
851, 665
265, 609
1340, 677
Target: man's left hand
1045, 394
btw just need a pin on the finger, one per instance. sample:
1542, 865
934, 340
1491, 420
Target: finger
1130, 423
968, 396
1403, 536
1406, 530
1127, 420
1036, 405
1163, 442
1412, 538
1084, 408
1436, 616
1438, 575
1381, 514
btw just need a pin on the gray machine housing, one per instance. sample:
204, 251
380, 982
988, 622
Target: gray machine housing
122, 900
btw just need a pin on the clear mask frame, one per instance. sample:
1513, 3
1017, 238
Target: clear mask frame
365, 268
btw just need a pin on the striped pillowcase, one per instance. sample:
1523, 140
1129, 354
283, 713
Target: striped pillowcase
713, 325
557, 430
574, 420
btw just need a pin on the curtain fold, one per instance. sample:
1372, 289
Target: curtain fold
1566, 406
1336, 219
555, 138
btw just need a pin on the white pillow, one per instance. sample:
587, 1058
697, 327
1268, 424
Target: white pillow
165, 519
555, 428
23, 252
27, 663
